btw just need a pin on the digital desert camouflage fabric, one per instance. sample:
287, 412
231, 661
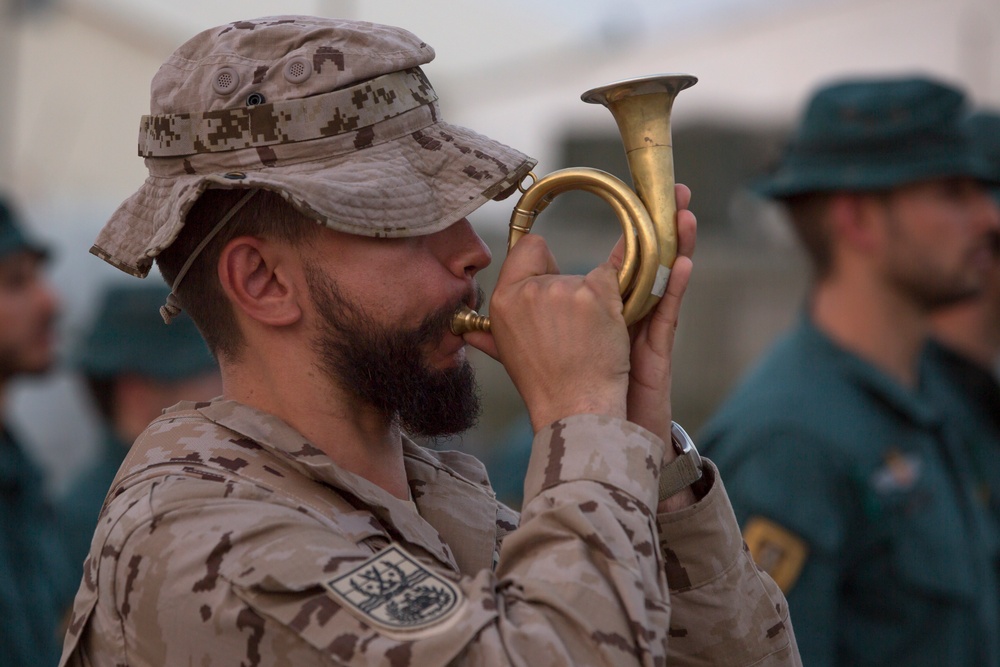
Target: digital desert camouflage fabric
334, 115
229, 539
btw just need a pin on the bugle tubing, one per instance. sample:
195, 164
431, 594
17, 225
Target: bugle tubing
641, 107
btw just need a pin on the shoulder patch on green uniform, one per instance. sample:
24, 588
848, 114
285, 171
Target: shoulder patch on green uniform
776, 550
393, 592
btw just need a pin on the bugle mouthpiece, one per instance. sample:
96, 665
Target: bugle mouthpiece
467, 320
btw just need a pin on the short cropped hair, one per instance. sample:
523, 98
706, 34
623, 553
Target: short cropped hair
807, 214
266, 215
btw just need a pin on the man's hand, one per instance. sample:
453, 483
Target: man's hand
652, 348
562, 339
653, 337
653, 341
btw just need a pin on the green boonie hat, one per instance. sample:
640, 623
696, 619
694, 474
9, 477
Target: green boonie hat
334, 115
128, 337
873, 134
12, 237
984, 127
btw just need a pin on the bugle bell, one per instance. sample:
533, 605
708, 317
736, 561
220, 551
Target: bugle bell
641, 107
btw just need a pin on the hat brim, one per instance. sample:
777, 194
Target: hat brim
20, 245
810, 176
413, 185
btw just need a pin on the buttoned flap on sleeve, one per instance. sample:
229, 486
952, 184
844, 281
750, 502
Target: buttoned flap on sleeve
725, 610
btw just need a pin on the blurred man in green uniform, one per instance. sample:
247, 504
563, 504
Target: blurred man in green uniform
35, 580
964, 352
135, 367
852, 489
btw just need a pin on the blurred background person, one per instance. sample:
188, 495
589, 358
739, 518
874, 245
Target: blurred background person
851, 489
134, 366
35, 580
964, 352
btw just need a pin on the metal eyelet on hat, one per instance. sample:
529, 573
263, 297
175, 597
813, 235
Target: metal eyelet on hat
253, 99
226, 81
298, 69
235, 175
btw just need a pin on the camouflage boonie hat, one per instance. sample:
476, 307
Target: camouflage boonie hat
334, 115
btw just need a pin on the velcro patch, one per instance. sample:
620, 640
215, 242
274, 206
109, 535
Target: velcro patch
777, 551
393, 592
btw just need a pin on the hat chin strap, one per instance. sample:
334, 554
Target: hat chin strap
172, 308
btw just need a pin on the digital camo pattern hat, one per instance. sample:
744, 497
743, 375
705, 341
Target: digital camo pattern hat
872, 134
334, 115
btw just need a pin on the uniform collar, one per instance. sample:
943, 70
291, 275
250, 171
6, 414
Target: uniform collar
435, 527
909, 402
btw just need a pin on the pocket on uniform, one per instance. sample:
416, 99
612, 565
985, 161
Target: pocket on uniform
929, 539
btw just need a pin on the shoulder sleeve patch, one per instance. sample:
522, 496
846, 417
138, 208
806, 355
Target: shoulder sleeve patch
777, 551
395, 593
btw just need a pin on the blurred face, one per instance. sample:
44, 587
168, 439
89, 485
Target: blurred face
939, 237
990, 297
384, 309
28, 310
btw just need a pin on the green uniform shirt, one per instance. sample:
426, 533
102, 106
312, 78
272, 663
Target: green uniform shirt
79, 508
36, 587
970, 394
862, 500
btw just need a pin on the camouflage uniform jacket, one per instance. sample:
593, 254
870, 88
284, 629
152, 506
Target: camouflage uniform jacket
227, 538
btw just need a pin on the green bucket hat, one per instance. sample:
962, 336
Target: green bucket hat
128, 336
12, 237
874, 134
984, 127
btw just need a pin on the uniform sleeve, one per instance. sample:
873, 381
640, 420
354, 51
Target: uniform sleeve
725, 610
203, 571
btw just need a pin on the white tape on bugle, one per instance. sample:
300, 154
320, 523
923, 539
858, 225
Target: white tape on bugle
660, 284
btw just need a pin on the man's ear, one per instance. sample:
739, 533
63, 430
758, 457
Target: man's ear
856, 220
259, 278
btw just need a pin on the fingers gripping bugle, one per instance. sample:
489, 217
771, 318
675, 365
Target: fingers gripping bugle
641, 107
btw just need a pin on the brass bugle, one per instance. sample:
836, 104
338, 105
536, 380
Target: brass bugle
641, 107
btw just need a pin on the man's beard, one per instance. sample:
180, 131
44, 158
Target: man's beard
385, 367
917, 277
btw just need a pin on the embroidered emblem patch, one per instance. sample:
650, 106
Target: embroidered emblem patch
899, 472
394, 592
777, 551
